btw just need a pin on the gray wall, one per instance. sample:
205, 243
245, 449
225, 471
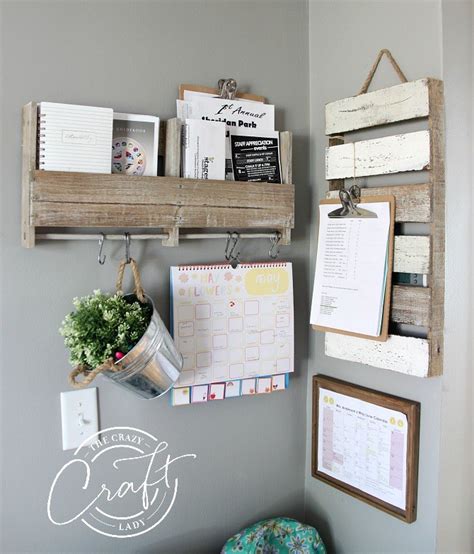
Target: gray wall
96, 53
456, 482
345, 37
251, 452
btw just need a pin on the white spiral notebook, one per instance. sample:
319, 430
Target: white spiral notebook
74, 138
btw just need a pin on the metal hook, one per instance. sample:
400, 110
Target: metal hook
126, 236
274, 249
229, 254
101, 257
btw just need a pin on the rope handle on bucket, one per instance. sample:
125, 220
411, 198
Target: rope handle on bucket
90, 374
138, 290
109, 364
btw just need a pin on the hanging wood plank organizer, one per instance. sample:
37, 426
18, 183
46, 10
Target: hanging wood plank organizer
415, 203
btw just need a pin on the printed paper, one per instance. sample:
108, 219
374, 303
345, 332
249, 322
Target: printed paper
232, 389
181, 396
232, 324
203, 151
351, 270
217, 391
248, 386
278, 382
256, 155
264, 385
199, 393
364, 445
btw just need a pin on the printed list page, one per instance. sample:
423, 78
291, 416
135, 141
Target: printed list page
350, 271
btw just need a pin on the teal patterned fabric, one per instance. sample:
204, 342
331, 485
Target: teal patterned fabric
279, 535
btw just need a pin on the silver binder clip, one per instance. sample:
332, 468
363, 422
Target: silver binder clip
230, 249
227, 88
101, 257
126, 237
350, 209
274, 245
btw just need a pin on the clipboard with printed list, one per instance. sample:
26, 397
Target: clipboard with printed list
353, 277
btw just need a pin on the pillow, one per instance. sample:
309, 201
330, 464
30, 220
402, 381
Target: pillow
279, 535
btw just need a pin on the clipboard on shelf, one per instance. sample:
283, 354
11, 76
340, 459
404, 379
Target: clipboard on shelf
349, 208
218, 91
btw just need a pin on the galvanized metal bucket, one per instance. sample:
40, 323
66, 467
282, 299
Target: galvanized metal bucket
153, 365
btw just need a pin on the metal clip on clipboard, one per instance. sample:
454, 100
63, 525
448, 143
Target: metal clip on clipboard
350, 209
227, 88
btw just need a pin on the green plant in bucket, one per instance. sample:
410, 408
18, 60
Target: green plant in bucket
104, 326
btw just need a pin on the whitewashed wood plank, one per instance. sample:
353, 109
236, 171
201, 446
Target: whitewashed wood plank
173, 148
393, 154
388, 105
29, 135
411, 254
286, 157
412, 202
407, 355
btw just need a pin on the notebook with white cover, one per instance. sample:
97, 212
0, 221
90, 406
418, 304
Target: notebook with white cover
74, 138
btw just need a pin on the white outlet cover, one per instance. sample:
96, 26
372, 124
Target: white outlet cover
79, 416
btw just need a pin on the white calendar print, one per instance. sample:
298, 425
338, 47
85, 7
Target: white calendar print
363, 445
233, 323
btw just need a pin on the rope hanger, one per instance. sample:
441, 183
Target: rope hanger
372, 71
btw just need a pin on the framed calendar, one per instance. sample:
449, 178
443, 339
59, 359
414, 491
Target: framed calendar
365, 443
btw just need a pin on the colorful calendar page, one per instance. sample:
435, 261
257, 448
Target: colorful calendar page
232, 324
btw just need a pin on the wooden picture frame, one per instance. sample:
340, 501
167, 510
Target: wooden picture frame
388, 285
410, 408
212, 90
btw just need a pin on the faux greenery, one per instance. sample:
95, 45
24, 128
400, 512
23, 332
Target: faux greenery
103, 325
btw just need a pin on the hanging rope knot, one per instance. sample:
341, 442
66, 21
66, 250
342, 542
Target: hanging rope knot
370, 76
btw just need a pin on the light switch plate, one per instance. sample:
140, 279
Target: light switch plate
79, 416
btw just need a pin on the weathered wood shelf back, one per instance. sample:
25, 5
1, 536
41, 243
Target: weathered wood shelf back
56, 199
423, 203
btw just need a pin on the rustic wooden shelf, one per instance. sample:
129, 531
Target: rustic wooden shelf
56, 199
